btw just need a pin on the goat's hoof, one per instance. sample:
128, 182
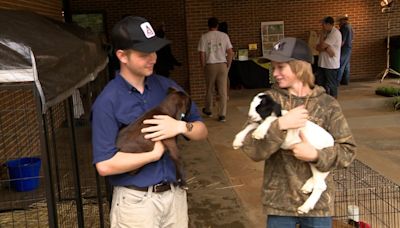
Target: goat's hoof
257, 135
308, 186
304, 209
184, 187
306, 190
237, 144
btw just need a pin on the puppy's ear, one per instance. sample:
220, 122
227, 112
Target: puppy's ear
188, 101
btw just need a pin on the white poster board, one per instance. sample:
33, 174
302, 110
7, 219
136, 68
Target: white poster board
271, 32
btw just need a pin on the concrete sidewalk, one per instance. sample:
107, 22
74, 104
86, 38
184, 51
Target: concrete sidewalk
225, 185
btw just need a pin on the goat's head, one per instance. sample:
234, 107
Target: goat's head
263, 106
178, 103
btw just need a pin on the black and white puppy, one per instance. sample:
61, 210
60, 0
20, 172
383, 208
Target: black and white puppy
263, 111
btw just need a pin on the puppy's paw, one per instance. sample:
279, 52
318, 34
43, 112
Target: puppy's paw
258, 134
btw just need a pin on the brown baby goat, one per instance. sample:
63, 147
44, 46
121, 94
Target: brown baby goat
130, 139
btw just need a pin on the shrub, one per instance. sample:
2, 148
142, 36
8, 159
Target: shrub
396, 103
388, 91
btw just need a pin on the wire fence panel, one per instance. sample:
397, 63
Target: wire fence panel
364, 196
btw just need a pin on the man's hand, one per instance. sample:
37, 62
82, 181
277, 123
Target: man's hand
163, 127
295, 118
304, 150
158, 150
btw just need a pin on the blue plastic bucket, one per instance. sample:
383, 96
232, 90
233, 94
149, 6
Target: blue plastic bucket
24, 173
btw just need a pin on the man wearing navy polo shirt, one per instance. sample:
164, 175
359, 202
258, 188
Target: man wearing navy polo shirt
152, 197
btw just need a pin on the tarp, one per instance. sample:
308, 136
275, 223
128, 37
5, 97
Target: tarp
57, 57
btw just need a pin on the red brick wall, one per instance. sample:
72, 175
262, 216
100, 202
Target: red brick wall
196, 24
369, 50
186, 20
172, 13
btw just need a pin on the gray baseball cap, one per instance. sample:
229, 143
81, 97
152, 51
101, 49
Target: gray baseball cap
290, 48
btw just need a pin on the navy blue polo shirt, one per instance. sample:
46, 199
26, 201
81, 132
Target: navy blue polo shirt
120, 104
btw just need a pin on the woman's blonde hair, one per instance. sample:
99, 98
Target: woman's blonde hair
303, 71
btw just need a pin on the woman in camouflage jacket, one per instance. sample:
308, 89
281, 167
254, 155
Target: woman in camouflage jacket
286, 171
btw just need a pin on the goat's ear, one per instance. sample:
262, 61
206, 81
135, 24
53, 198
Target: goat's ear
171, 90
277, 109
262, 97
264, 108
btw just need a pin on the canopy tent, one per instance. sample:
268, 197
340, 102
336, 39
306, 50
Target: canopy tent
57, 57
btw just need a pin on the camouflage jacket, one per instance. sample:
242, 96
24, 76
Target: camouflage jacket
284, 175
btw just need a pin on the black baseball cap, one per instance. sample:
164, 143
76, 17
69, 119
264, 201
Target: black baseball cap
290, 48
136, 33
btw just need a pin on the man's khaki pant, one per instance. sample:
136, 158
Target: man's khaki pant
131, 208
216, 75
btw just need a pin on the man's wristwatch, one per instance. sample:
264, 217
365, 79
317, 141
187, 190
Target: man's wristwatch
189, 126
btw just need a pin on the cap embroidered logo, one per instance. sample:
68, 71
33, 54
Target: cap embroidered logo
279, 46
147, 30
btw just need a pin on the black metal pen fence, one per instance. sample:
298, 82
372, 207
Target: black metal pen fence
65, 191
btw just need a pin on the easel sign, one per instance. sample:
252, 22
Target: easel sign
271, 32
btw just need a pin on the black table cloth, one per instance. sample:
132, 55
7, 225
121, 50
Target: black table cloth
248, 74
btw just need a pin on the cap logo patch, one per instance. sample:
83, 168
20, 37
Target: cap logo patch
147, 30
279, 46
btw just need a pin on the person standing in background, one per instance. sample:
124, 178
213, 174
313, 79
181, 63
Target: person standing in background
329, 45
223, 27
345, 52
216, 54
166, 61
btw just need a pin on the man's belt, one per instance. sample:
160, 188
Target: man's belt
161, 187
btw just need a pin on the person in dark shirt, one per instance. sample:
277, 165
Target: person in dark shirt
152, 197
166, 61
345, 52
